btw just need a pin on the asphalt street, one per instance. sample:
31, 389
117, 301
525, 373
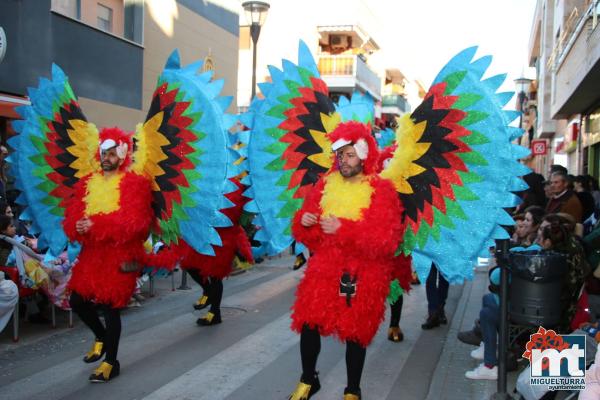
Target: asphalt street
252, 355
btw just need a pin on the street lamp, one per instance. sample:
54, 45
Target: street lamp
256, 13
522, 86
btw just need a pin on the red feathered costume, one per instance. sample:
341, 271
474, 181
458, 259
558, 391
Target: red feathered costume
208, 271
115, 237
402, 270
110, 215
234, 241
363, 247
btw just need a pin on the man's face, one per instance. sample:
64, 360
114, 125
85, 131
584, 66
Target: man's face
110, 160
558, 184
348, 161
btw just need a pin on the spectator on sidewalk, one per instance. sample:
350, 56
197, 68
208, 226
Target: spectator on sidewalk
9, 296
519, 233
556, 168
531, 223
436, 288
11, 255
595, 191
528, 232
554, 234
564, 200
22, 228
548, 191
3, 177
534, 195
580, 187
489, 322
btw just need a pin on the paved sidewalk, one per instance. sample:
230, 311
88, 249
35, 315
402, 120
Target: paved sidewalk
455, 359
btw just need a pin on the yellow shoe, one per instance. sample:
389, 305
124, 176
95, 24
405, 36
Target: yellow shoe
304, 391
201, 303
105, 372
300, 261
95, 353
352, 396
209, 319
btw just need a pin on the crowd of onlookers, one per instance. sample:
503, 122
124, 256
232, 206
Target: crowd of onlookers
559, 214
24, 276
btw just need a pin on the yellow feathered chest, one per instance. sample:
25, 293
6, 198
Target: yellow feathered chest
345, 198
102, 194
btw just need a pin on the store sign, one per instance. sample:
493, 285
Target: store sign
592, 129
571, 136
539, 147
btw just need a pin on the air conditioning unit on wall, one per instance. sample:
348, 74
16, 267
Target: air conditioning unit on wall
338, 41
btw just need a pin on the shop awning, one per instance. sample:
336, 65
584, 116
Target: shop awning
8, 103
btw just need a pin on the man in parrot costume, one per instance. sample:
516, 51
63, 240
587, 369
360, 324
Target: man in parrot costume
209, 271
347, 279
110, 215
440, 200
96, 194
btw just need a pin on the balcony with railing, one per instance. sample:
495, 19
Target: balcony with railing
394, 104
575, 62
348, 73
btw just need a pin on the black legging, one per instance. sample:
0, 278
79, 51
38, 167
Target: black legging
200, 280
109, 335
396, 311
212, 287
310, 347
355, 361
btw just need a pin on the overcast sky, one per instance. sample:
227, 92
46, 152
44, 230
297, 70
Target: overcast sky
422, 35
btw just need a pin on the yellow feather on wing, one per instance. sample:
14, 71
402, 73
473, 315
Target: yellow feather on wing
409, 149
149, 151
325, 157
85, 136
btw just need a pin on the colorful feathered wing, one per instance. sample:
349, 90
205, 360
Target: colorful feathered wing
386, 137
54, 148
289, 149
184, 148
455, 168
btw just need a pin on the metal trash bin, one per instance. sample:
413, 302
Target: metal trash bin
535, 287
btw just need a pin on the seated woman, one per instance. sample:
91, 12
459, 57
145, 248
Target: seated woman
531, 223
519, 232
31, 276
554, 234
489, 321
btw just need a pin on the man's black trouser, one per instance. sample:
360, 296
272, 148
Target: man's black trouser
396, 310
310, 346
212, 287
109, 335
436, 288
